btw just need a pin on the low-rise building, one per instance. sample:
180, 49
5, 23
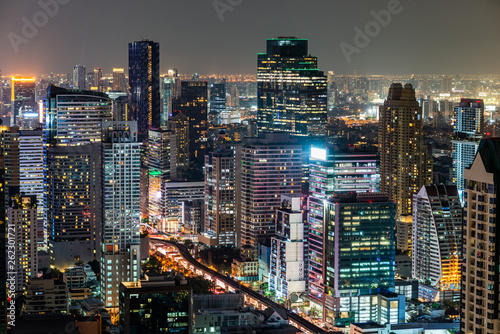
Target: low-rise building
46, 295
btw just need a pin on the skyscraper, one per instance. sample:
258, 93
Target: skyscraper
144, 83
480, 302
266, 168
180, 125
437, 239
73, 173
332, 170
23, 99
22, 215
292, 92
468, 129
79, 77
192, 101
220, 204
98, 79
359, 254
120, 244
403, 166
159, 163
217, 102
31, 169
119, 82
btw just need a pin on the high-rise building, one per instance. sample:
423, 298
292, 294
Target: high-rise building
119, 82
192, 101
73, 173
159, 164
121, 111
168, 92
333, 170
480, 300
266, 168
22, 223
180, 125
292, 92
120, 242
98, 79
220, 204
288, 272
437, 239
359, 254
79, 77
217, 102
403, 164
156, 305
24, 163
22, 100
31, 171
183, 207
468, 129
144, 83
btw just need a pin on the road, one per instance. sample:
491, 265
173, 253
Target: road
295, 318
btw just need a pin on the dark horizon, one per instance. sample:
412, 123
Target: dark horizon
418, 37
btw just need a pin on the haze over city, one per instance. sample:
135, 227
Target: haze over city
443, 37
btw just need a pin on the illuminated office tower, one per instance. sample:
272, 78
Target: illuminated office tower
31, 169
79, 79
359, 257
292, 92
288, 272
119, 82
144, 83
120, 241
220, 205
333, 170
403, 164
159, 163
168, 92
98, 79
266, 168
217, 102
437, 240
192, 101
180, 125
480, 300
468, 129
73, 173
22, 99
22, 217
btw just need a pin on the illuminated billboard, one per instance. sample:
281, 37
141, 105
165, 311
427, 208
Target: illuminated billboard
318, 153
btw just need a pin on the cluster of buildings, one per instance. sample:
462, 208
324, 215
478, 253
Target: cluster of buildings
317, 219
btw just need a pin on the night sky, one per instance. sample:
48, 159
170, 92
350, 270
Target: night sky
427, 36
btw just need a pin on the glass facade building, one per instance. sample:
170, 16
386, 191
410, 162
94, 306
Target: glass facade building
144, 83
468, 130
333, 170
291, 91
192, 101
23, 100
359, 250
72, 192
437, 238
